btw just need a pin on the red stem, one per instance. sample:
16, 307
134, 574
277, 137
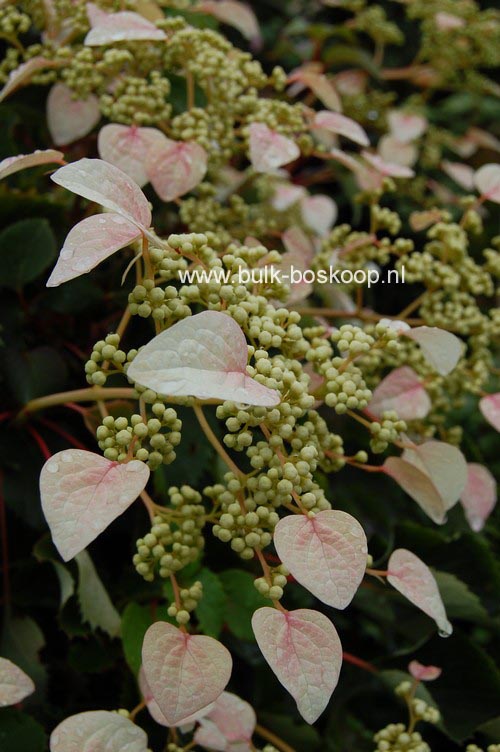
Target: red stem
5, 548
40, 442
69, 438
349, 658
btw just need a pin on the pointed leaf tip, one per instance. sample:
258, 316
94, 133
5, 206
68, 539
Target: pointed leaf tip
303, 649
15, 685
108, 186
91, 241
479, 496
412, 578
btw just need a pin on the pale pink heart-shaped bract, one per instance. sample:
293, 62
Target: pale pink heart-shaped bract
319, 212
127, 147
15, 685
405, 126
490, 408
402, 391
10, 165
387, 169
203, 356
91, 241
342, 126
326, 553
351, 82
397, 152
482, 138
421, 220
154, 708
424, 673
184, 672
69, 119
320, 85
286, 195
413, 579
447, 21
479, 495
444, 464
441, 349
82, 493
269, 149
299, 255
238, 15
462, 174
487, 182
123, 26
108, 186
176, 168
229, 726
24, 72
303, 649
418, 485
98, 731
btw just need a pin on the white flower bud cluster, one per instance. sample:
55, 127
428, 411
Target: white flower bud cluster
152, 440
273, 587
106, 358
387, 431
176, 536
189, 599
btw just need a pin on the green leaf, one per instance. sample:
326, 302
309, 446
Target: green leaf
292, 730
22, 641
212, 607
27, 248
136, 620
468, 690
242, 600
20, 733
34, 373
95, 603
459, 601
44, 550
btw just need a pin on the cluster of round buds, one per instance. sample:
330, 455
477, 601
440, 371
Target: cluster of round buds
106, 358
138, 101
386, 432
395, 738
149, 440
242, 523
189, 599
421, 710
163, 304
490, 748
273, 586
352, 340
344, 388
13, 22
385, 219
175, 539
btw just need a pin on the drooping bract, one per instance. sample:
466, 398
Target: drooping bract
303, 649
203, 356
402, 391
413, 579
479, 495
69, 119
